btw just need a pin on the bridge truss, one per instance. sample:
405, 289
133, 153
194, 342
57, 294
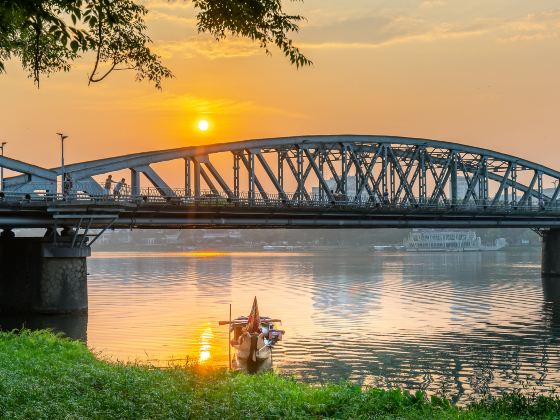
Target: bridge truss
372, 174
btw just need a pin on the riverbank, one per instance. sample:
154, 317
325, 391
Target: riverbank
46, 376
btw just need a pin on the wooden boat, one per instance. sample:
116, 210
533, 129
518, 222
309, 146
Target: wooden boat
254, 337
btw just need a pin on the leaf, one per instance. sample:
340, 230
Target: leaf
75, 45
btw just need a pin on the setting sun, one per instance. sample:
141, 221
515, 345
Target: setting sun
203, 125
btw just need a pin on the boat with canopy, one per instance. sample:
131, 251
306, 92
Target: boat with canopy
254, 336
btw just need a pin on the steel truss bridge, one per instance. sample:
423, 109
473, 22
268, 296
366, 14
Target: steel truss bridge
293, 182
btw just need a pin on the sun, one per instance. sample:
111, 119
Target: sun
203, 125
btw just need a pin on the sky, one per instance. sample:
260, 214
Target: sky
479, 72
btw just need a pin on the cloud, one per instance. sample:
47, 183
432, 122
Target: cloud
383, 31
182, 104
159, 16
206, 47
533, 27
368, 30
428, 4
397, 30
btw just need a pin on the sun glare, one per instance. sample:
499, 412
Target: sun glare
205, 346
203, 125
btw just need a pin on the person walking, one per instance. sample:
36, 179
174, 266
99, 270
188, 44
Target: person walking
67, 185
117, 190
108, 183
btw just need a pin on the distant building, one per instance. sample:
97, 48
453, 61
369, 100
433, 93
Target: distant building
350, 188
462, 188
221, 234
549, 192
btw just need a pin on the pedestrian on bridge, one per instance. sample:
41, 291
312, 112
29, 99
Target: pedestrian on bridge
108, 183
385, 197
118, 187
67, 185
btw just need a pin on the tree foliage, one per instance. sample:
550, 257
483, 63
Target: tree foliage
47, 36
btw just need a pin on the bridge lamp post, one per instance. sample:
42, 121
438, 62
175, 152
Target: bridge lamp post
62, 138
2, 168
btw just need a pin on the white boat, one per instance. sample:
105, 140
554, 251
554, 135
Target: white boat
438, 240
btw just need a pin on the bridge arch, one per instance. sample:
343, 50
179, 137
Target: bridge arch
349, 168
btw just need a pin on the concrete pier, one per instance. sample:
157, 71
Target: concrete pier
39, 276
551, 252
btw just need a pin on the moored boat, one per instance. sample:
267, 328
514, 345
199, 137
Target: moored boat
436, 240
254, 336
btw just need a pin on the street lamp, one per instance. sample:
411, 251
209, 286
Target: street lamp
2, 167
62, 138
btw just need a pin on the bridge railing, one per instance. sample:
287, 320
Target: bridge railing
182, 197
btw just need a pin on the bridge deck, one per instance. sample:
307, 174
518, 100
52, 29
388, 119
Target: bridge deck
218, 212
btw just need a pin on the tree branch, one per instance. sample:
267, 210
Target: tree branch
99, 44
99, 79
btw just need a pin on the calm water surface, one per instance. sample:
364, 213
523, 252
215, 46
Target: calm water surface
462, 324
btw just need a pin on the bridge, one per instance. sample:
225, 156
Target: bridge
339, 181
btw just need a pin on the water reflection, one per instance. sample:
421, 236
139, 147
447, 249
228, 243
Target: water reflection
205, 345
462, 324
72, 325
551, 305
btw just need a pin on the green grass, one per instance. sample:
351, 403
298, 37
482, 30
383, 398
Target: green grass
45, 376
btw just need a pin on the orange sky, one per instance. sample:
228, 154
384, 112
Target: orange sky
482, 72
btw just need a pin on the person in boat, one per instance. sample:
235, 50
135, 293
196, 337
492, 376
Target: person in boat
248, 345
252, 349
242, 344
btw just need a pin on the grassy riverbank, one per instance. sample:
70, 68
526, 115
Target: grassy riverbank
44, 376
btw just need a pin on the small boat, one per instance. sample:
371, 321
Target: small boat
254, 336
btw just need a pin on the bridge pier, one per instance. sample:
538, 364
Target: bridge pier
551, 252
38, 275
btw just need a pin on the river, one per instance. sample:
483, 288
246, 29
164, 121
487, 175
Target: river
457, 324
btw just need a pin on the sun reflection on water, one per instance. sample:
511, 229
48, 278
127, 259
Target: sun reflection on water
205, 344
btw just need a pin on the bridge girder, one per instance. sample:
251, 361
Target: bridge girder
306, 168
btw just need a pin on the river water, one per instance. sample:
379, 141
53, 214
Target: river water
458, 324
